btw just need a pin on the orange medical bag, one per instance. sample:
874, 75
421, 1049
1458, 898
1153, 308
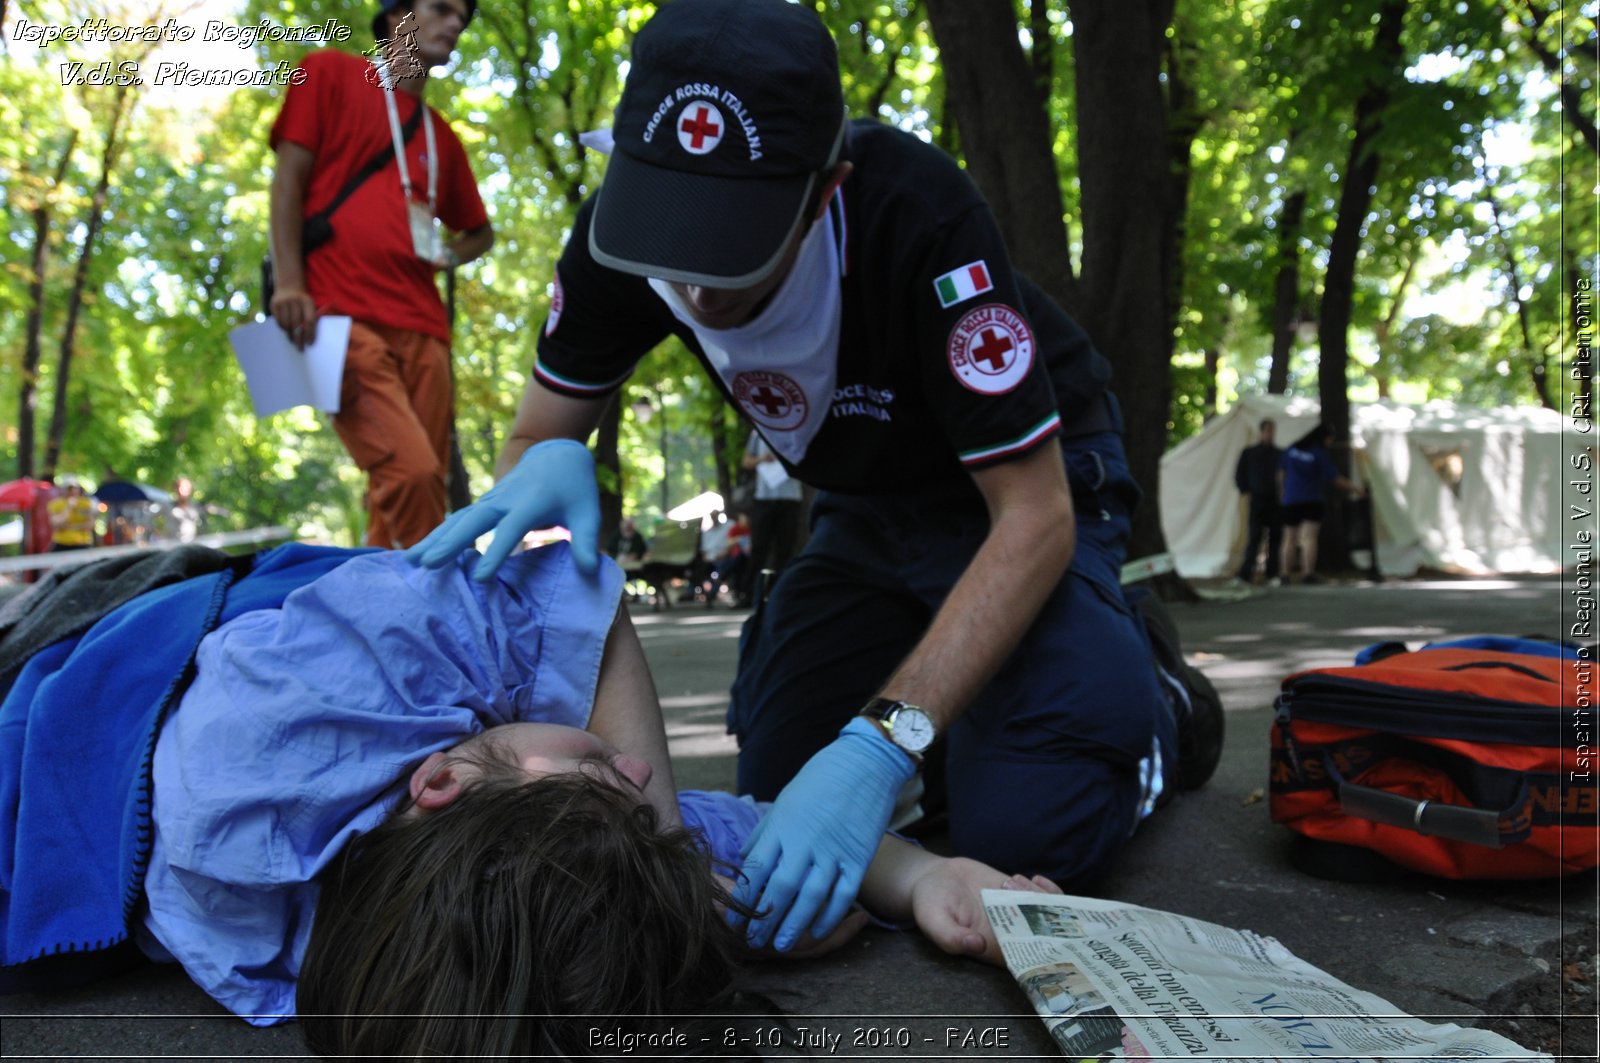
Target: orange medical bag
1461, 762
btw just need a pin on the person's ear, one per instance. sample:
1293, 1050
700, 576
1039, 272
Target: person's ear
436, 782
835, 179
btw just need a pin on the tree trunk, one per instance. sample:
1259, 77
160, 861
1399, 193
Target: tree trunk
1383, 331
609, 468
80, 278
1183, 125
1213, 356
1355, 199
1286, 290
1125, 176
458, 487
720, 428
999, 110
1538, 358
33, 348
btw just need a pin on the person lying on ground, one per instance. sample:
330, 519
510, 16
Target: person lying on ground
216, 782
526, 887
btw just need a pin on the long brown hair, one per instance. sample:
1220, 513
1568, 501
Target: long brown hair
518, 920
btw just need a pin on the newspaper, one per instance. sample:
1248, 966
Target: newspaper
1116, 980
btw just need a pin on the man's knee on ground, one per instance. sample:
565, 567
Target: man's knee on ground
1070, 833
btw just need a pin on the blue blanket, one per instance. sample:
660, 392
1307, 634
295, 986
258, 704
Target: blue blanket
77, 730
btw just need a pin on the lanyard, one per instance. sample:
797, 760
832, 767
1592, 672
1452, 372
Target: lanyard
399, 144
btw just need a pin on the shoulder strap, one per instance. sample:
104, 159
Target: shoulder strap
376, 163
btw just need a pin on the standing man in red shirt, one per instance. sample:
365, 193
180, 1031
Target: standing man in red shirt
378, 264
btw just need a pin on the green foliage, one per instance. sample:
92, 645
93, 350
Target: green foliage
154, 392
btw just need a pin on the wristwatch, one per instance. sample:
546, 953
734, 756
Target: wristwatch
906, 725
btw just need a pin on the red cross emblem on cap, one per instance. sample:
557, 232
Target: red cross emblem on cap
700, 128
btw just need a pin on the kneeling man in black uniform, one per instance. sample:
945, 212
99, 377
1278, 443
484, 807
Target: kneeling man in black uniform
846, 286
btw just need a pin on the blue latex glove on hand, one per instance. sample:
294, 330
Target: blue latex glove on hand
811, 851
552, 483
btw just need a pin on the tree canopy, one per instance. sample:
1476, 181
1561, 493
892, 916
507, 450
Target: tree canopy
1368, 197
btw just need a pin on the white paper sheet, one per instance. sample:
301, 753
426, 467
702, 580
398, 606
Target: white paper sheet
772, 475
280, 376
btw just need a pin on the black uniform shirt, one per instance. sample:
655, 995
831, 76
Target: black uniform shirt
947, 359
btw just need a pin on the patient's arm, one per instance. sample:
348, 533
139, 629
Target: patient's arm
942, 894
627, 713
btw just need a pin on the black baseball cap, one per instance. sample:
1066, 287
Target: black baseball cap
730, 118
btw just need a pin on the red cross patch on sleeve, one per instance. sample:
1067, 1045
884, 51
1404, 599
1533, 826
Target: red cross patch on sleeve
991, 349
557, 297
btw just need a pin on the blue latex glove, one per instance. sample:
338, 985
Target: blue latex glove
811, 851
552, 483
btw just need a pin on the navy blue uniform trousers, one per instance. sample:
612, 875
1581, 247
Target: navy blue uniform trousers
1050, 768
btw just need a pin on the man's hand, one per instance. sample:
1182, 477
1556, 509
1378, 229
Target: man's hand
552, 483
810, 852
947, 903
808, 947
295, 313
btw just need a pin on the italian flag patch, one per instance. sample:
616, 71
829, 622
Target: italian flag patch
961, 284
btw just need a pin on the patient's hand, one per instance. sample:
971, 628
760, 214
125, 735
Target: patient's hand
947, 903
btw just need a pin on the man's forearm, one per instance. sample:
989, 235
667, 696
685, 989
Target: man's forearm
543, 415
987, 612
288, 218
473, 245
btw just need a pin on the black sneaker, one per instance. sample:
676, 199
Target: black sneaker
1200, 731
1195, 702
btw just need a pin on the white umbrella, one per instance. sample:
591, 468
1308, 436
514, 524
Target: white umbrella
697, 508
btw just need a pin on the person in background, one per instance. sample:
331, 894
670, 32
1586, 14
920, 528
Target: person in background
1256, 476
734, 566
628, 546
775, 524
720, 559
377, 266
1303, 473
71, 517
185, 515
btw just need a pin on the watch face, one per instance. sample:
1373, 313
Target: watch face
912, 729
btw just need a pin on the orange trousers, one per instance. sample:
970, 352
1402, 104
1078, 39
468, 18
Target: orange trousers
394, 420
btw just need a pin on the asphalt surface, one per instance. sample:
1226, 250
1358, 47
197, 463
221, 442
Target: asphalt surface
1515, 956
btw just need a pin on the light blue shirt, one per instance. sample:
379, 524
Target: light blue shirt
302, 722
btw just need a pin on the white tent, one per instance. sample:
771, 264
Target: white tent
1453, 488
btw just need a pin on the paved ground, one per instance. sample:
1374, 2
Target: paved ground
1519, 957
